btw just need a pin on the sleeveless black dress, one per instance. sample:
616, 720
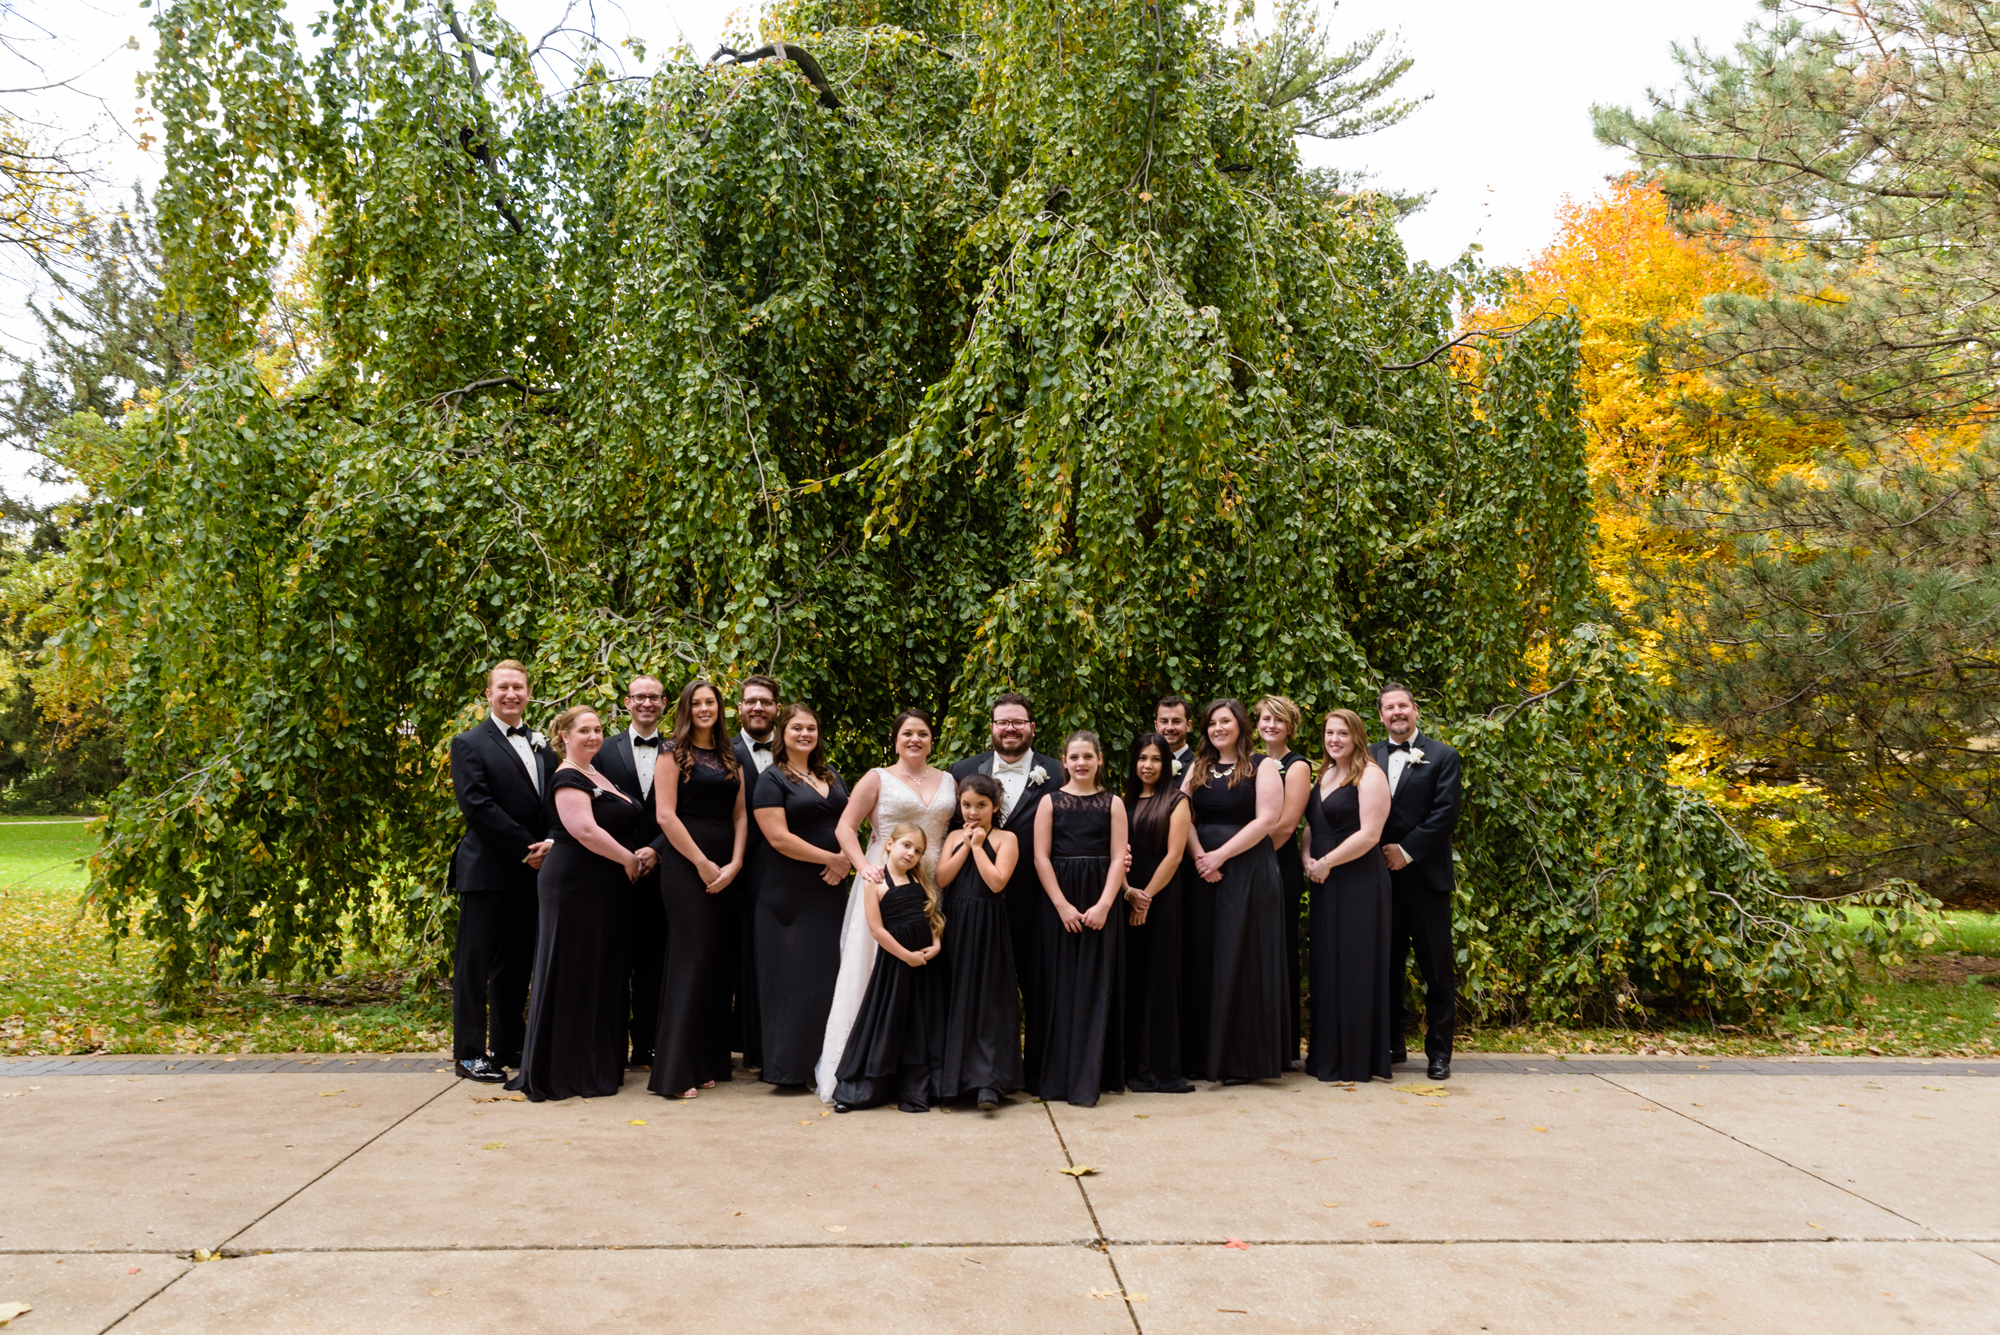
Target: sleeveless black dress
982, 1028
694, 992
576, 1014
1153, 963
1292, 873
1245, 1038
1076, 1043
1350, 939
796, 929
898, 1036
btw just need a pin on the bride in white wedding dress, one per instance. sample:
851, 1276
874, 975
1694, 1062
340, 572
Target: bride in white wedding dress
909, 790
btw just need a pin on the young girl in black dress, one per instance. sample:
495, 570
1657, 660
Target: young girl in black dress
1077, 1040
982, 1030
898, 1038
1158, 811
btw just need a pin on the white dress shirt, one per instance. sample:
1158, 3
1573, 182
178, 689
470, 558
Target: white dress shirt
639, 754
761, 759
1012, 776
523, 750
1398, 762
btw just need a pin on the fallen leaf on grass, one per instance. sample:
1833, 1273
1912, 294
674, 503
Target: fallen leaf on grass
8, 1311
1079, 1171
494, 1145
1235, 1245
836, 1228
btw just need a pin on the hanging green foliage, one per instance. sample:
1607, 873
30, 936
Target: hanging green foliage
918, 355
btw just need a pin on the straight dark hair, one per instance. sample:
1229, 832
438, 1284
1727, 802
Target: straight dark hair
782, 757
683, 734
1207, 757
1149, 815
896, 726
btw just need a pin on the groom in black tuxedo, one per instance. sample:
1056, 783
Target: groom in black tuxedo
500, 771
1025, 775
627, 759
1424, 797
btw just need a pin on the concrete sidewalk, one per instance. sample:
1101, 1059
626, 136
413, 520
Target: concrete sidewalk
385, 1196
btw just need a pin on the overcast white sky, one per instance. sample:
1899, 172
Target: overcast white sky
1504, 138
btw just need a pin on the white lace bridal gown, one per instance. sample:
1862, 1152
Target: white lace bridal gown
895, 802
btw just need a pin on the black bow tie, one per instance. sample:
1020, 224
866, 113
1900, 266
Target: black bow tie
1399, 746
520, 730
760, 746
654, 740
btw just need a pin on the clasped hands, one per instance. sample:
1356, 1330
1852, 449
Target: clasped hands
644, 861
716, 879
1094, 917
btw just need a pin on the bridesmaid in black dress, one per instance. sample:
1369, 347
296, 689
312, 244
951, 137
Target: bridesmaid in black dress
698, 792
1159, 820
1350, 908
898, 1036
1077, 1039
1278, 722
576, 1020
1237, 799
801, 894
982, 1030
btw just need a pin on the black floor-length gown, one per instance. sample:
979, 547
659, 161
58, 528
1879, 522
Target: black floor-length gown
982, 1030
576, 1010
1078, 1036
1197, 967
694, 993
1350, 948
1153, 966
1292, 875
1246, 1005
898, 1036
797, 928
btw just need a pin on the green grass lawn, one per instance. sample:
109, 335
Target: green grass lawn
63, 991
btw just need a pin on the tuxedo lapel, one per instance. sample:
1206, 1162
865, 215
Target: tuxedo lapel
506, 745
618, 765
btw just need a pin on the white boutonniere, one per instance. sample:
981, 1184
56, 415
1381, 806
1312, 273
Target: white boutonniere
537, 742
1038, 775
1177, 767
1416, 755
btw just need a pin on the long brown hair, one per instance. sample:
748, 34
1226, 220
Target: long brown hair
933, 901
1207, 757
1149, 815
781, 756
683, 735
1352, 771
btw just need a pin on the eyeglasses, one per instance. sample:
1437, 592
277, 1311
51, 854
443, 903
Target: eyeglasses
646, 699
1013, 724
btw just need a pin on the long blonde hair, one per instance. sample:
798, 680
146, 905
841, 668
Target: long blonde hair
1361, 759
933, 901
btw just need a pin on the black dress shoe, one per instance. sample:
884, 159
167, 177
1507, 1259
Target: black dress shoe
643, 1057
1397, 1056
481, 1069
1235, 1080
843, 1107
1440, 1068
989, 1099
907, 1106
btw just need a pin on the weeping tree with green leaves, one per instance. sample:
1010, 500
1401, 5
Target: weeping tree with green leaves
919, 353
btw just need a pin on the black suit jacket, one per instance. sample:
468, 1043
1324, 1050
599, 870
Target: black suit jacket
753, 838
1021, 820
504, 811
1423, 811
616, 763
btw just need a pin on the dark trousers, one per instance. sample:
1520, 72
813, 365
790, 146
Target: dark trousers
493, 957
644, 928
1420, 921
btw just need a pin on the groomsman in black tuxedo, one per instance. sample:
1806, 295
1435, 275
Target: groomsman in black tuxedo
756, 720
1424, 798
500, 771
1025, 775
1170, 720
627, 759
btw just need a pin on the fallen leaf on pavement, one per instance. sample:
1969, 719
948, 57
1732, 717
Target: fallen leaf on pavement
806, 1123
133, 1271
736, 1214
827, 1113
1378, 1223
494, 1145
1142, 1116
440, 1293
1428, 1091
1079, 1171
1541, 1128
1235, 1245
1331, 1205
637, 1121
8, 1311
499, 1098
836, 1228
331, 1092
